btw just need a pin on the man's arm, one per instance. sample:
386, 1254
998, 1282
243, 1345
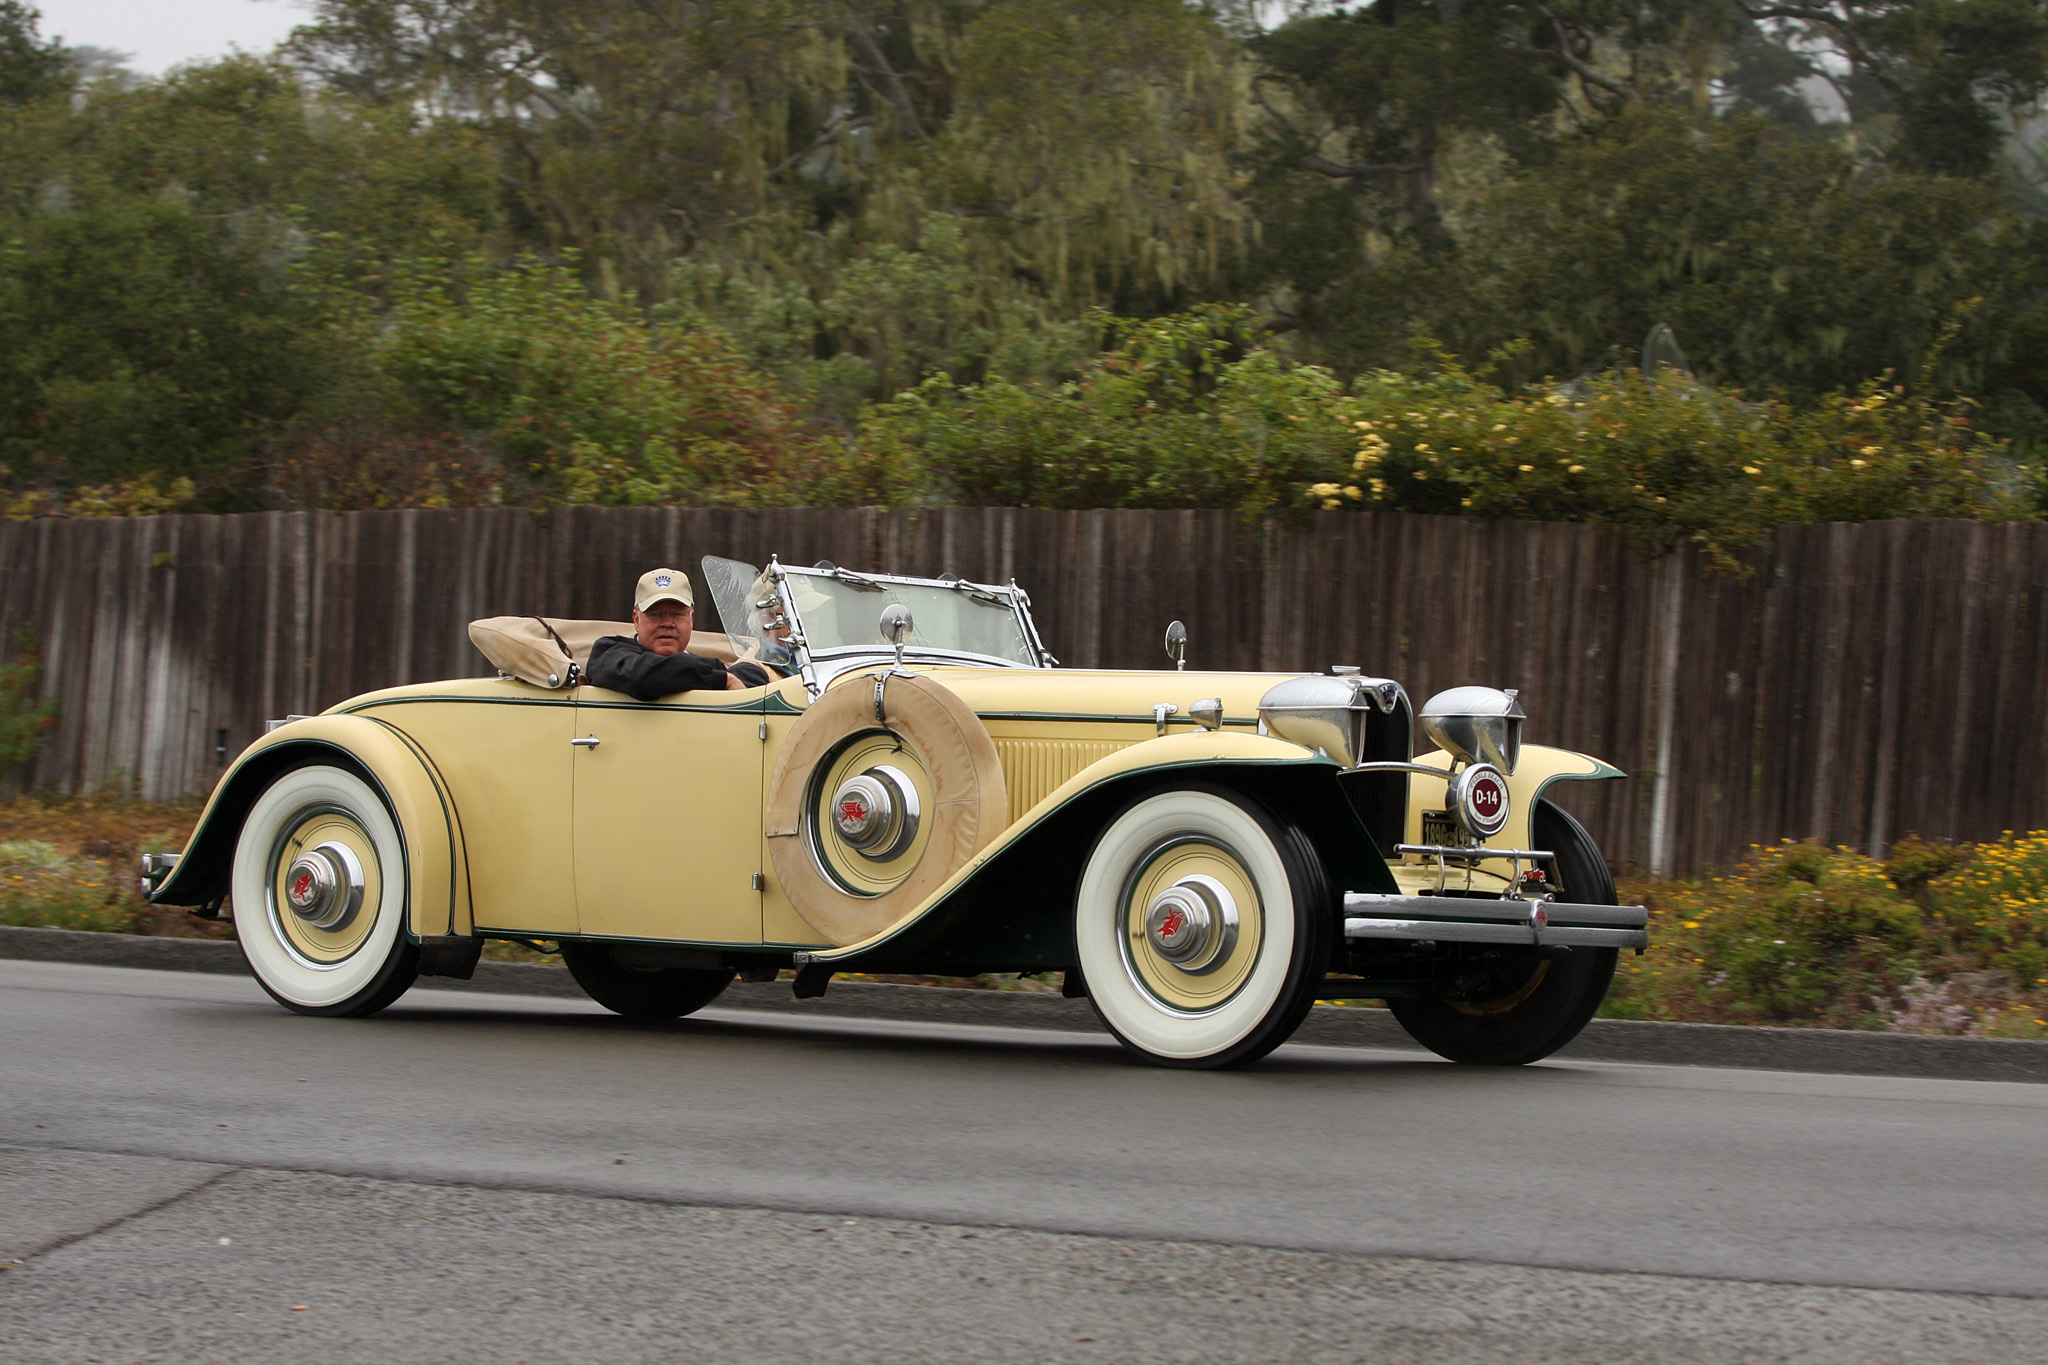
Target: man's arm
624, 665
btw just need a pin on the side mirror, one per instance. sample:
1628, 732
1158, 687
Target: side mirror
896, 627
1177, 644
896, 624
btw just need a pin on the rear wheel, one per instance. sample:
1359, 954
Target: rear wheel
320, 896
1203, 926
642, 992
1532, 1001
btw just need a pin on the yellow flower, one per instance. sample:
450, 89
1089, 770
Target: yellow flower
1500, 426
1353, 492
1859, 464
1751, 469
1422, 445
1378, 487
1323, 490
1526, 468
1421, 473
1464, 502
1873, 450
1576, 469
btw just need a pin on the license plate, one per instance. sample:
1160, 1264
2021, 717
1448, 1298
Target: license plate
1439, 828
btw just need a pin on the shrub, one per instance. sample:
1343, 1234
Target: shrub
1668, 458
1991, 906
1800, 934
23, 715
1940, 938
1181, 411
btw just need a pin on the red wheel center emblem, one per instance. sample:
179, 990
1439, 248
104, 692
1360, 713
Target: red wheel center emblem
1171, 926
302, 888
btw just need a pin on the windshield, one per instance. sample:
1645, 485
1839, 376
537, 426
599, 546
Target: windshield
737, 590
841, 612
837, 609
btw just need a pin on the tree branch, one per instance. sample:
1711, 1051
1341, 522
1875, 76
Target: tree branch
862, 31
1356, 170
1585, 70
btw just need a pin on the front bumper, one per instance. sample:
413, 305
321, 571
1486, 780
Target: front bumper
1459, 919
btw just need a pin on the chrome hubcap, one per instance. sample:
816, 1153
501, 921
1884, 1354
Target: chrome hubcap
324, 886
875, 813
1193, 924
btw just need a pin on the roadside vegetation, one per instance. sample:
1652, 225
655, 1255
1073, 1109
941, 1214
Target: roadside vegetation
1074, 253
1937, 939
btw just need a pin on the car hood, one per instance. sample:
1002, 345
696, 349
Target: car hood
1099, 694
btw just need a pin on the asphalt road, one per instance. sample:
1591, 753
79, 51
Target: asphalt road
187, 1171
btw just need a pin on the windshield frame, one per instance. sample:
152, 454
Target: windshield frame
819, 665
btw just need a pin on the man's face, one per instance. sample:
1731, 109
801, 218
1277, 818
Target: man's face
663, 627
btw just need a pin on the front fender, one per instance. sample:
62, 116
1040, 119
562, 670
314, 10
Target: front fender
436, 866
1537, 768
1009, 908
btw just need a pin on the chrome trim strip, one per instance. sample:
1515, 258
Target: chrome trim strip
1474, 852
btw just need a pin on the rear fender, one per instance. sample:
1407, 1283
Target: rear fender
436, 867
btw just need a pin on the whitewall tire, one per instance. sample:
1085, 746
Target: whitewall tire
319, 894
1203, 928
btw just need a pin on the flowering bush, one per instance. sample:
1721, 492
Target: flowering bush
1664, 456
1992, 906
1938, 938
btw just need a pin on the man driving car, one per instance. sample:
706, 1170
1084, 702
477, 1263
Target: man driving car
654, 661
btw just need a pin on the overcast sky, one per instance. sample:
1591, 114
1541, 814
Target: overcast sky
159, 34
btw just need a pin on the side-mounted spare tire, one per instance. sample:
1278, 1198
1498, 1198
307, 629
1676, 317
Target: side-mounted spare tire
886, 787
1536, 1000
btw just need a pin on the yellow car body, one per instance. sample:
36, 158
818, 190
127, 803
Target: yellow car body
643, 836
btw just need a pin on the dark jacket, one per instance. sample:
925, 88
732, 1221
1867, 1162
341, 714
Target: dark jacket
623, 664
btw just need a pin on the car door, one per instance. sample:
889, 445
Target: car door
505, 756
668, 817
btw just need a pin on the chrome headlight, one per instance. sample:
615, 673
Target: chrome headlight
1476, 725
1352, 719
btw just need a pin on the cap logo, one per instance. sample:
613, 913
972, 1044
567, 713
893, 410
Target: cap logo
662, 581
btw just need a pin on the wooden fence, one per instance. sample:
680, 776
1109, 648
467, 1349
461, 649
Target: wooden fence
1861, 682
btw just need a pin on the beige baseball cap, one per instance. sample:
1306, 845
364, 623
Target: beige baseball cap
662, 585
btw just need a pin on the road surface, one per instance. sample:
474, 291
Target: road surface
187, 1171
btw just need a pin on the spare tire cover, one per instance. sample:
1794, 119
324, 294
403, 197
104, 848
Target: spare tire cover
923, 758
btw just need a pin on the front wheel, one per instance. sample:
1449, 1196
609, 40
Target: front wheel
642, 992
1533, 1001
320, 897
1203, 926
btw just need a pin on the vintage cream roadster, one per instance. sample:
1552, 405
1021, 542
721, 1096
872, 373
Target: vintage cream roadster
1203, 855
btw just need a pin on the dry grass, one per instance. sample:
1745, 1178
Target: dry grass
74, 864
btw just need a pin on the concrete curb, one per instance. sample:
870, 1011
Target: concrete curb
1831, 1051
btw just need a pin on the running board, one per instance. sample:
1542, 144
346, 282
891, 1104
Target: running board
1460, 919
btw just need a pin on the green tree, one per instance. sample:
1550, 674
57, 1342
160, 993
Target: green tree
1951, 73
514, 385
31, 68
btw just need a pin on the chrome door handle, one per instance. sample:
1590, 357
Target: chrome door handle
586, 742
